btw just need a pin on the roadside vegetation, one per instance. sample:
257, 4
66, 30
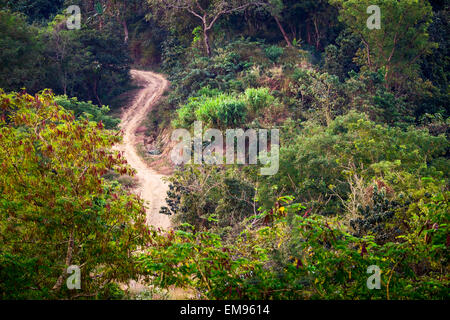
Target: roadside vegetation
363, 176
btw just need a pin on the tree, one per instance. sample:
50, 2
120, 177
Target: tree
207, 11
275, 8
89, 64
56, 209
20, 55
338, 59
401, 40
120, 10
36, 10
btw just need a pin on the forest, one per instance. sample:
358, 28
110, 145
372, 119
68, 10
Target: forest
358, 208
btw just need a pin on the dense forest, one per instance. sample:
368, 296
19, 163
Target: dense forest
359, 93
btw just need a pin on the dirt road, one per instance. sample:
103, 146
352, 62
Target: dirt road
151, 187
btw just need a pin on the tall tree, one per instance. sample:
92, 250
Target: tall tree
20, 54
275, 8
401, 40
119, 10
207, 11
36, 10
56, 210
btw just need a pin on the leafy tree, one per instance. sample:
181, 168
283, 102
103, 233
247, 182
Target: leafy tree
56, 209
89, 64
20, 57
275, 9
338, 58
119, 11
400, 42
36, 10
207, 11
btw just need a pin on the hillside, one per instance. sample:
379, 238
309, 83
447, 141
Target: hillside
224, 150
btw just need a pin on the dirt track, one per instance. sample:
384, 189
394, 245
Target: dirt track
151, 187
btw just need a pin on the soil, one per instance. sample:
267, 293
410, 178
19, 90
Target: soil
151, 186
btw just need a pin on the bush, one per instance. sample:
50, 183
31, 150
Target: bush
222, 110
230, 112
316, 163
88, 110
259, 98
286, 253
274, 53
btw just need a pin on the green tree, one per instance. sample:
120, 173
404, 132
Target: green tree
401, 40
89, 64
56, 209
20, 56
36, 10
207, 11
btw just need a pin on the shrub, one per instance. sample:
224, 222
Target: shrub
286, 253
230, 112
186, 114
221, 110
259, 98
315, 164
88, 110
274, 53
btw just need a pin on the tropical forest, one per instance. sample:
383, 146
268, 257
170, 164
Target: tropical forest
224, 149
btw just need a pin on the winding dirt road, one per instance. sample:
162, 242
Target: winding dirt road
151, 187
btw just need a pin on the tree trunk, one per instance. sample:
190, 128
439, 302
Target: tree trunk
206, 40
68, 261
387, 77
308, 33
283, 32
125, 30
316, 28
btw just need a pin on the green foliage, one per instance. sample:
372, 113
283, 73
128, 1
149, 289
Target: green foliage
55, 208
274, 53
288, 254
402, 39
210, 197
316, 163
197, 33
217, 111
88, 110
20, 53
217, 72
374, 215
321, 93
36, 10
258, 99
89, 64
338, 59
322, 97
